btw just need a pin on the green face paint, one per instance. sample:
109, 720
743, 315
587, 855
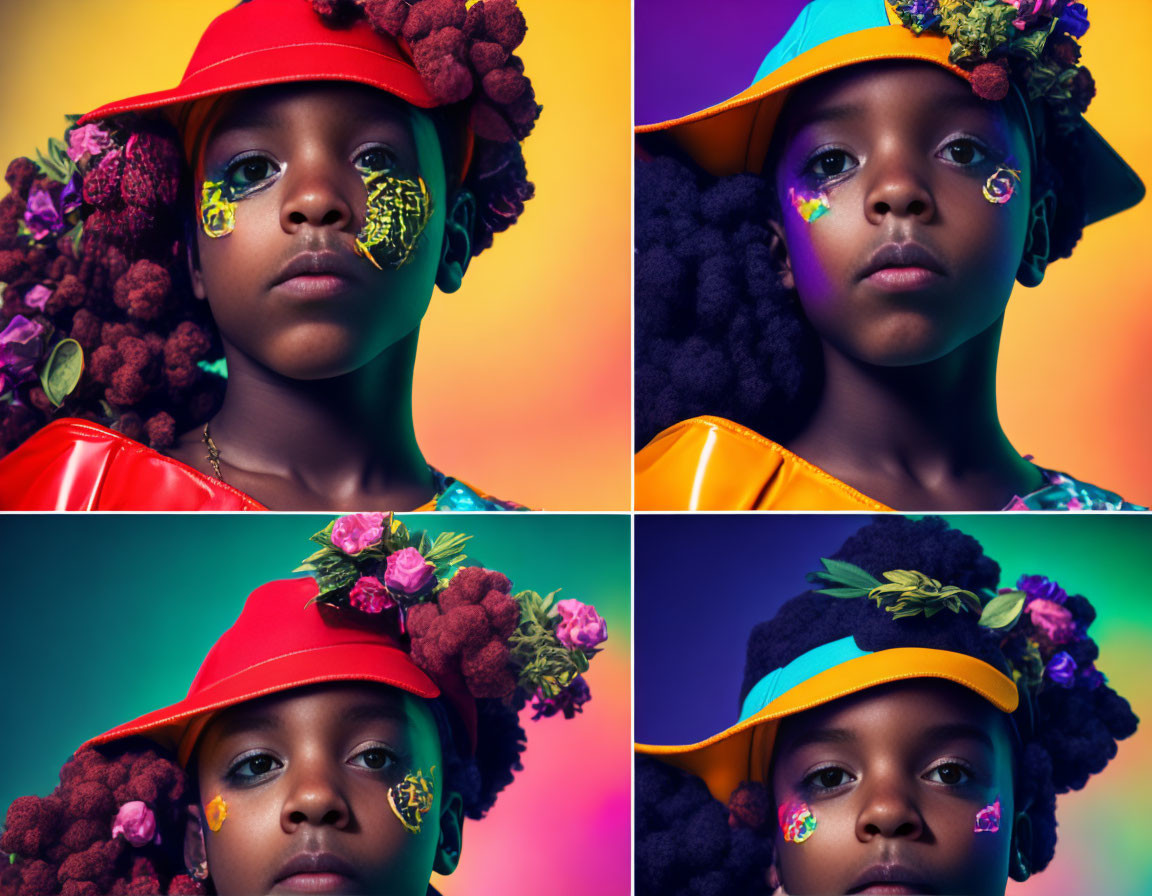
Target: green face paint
398, 212
217, 209
412, 798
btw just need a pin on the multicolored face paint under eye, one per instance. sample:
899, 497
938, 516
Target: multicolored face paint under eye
1001, 185
398, 211
217, 210
215, 813
988, 819
412, 798
809, 207
796, 821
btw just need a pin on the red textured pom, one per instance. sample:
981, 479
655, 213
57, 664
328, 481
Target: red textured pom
428, 16
83, 832
486, 56
11, 265
504, 22
504, 85
86, 329
387, 15
183, 885
20, 175
90, 799
489, 124
102, 184
161, 430
990, 80
440, 60
486, 671
145, 291
503, 612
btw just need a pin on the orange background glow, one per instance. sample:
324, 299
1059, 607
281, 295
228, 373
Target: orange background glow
523, 376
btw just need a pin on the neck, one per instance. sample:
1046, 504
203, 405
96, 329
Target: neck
928, 426
346, 434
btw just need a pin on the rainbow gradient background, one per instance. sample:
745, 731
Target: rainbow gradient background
523, 380
1075, 371
108, 617
702, 582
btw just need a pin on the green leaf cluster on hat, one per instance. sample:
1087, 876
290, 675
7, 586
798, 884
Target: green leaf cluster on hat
544, 662
909, 592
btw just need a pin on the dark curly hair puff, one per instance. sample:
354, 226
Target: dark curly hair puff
1067, 733
105, 265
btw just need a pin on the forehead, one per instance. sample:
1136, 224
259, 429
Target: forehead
318, 101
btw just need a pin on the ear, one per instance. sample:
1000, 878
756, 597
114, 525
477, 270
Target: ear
1039, 241
456, 251
451, 833
195, 854
1020, 856
778, 250
192, 259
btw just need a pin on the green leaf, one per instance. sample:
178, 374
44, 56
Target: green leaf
848, 574
1003, 610
62, 371
446, 549
75, 235
904, 577
846, 591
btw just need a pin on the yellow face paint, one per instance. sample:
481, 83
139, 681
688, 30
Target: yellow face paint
412, 798
809, 207
215, 813
217, 210
398, 211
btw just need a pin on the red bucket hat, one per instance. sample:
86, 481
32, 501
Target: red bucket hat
282, 640
279, 41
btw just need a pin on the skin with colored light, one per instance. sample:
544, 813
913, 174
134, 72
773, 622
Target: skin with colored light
308, 772
907, 413
896, 812
325, 350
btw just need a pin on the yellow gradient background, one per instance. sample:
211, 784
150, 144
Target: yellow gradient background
523, 377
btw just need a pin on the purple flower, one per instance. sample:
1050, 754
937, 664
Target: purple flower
1074, 21
357, 532
988, 819
41, 214
37, 297
569, 701
1052, 619
408, 572
370, 595
1092, 676
1041, 587
21, 345
581, 627
137, 823
87, 139
70, 198
1061, 669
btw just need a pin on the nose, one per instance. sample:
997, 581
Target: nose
317, 195
314, 797
899, 188
889, 810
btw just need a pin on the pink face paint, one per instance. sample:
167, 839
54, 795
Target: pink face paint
809, 206
1001, 185
796, 821
988, 819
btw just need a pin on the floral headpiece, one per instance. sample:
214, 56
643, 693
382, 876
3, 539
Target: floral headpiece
1034, 620
458, 620
1033, 42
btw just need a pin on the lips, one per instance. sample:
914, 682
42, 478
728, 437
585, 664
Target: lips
316, 872
319, 266
890, 878
898, 258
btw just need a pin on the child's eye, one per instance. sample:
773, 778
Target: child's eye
248, 172
828, 778
254, 766
963, 152
375, 158
951, 773
830, 163
374, 758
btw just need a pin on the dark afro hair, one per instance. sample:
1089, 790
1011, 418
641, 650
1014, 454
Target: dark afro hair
121, 291
716, 333
1067, 733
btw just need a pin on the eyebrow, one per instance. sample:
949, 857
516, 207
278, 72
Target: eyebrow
959, 731
371, 712
822, 736
954, 102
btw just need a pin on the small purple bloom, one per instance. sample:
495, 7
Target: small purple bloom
1052, 619
370, 595
21, 345
1074, 21
988, 819
41, 214
137, 823
37, 297
408, 572
1061, 669
357, 532
1041, 587
1092, 676
70, 198
87, 139
569, 701
581, 627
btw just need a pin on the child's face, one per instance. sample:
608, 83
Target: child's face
894, 778
902, 152
297, 155
307, 772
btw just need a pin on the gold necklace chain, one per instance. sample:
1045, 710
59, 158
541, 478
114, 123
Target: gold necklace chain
213, 454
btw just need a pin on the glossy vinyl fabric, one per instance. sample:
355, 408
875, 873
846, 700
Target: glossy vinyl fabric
709, 463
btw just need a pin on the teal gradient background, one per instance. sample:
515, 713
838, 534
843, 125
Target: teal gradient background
693, 572
108, 617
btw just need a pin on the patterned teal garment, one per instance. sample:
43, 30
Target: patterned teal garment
454, 495
1065, 493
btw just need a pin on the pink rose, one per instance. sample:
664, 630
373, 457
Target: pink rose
137, 823
580, 625
37, 297
1055, 621
370, 595
357, 532
408, 572
87, 139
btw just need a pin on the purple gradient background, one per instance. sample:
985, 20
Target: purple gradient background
729, 41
